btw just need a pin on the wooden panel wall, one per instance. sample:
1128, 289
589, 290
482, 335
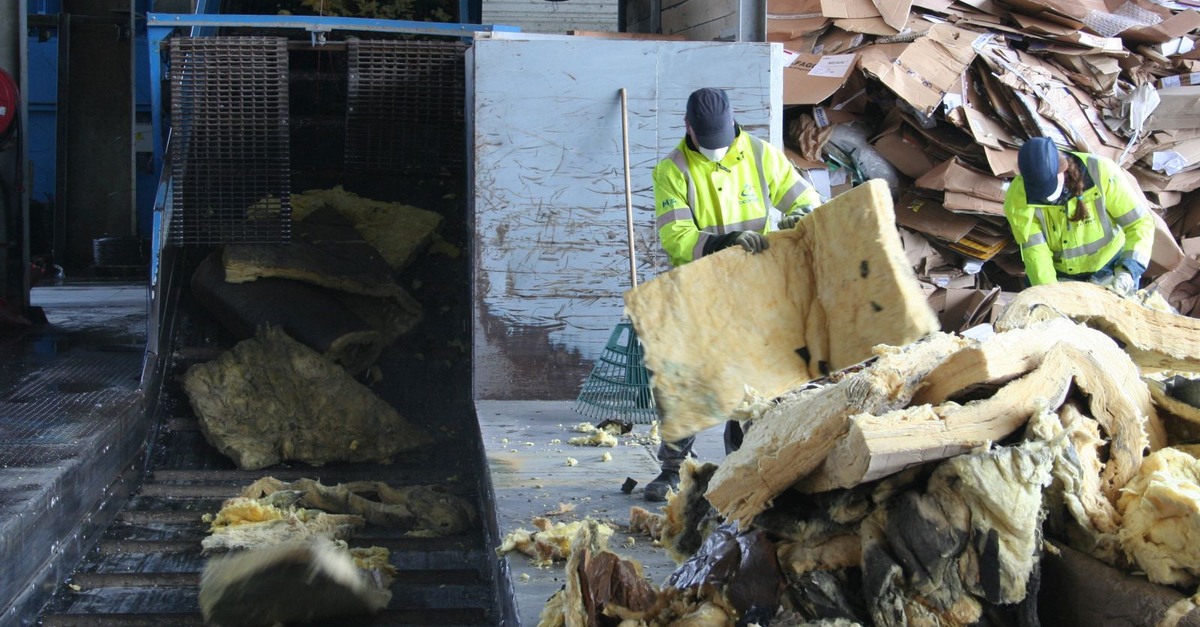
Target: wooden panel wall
545, 16
701, 20
549, 252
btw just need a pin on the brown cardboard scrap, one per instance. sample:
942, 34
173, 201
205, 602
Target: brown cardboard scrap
1002, 161
788, 29
1164, 200
927, 216
1178, 107
849, 8
837, 41
810, 79
905, 149
894, 12
1166, 254
800, 161
1087, 43
985, 129
982, 243
866, 26
1179, 79
1181, 287
920, 252
944, 275
1076, 10
1191, 247
935, 6
1151, 181
1011, 264
955, 176
958, 202
1038, 26
1177, 25
967, 307
929, 67
987, 7
808, 8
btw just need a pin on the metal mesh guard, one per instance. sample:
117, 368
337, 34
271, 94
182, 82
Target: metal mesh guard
230, 146
405, 105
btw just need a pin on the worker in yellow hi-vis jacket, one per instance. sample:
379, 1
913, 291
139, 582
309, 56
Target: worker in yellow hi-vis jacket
1077, 217
716, 190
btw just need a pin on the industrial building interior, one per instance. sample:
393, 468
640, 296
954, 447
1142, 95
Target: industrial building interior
89, 414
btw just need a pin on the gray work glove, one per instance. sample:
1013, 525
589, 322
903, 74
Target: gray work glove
792, 219
752, 241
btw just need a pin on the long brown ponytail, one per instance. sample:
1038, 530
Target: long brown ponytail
1074, 182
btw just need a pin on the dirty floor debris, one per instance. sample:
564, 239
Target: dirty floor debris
527, 451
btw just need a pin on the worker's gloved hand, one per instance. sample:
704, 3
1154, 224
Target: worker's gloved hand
1105, 280
1123, 283
792, 219
752, 241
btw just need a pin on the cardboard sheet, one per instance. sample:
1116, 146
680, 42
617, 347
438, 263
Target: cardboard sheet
817, 300
928, 68
1179, 107
811, 79
927, 216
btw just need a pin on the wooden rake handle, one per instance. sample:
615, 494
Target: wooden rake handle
628, 192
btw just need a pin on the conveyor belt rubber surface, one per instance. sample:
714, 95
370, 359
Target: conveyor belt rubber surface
146, 567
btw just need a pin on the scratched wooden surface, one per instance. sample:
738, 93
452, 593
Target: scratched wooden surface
550, 253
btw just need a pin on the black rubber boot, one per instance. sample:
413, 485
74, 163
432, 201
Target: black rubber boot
656, 490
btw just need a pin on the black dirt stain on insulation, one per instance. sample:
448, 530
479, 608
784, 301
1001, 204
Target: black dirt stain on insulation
876, 306
804, 354
864, 269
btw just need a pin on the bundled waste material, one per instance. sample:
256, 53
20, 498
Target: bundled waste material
936, 97
283, 553
334, 287
840, 302
922, 485
271, 399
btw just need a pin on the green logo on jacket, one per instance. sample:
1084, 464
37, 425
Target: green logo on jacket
748, 195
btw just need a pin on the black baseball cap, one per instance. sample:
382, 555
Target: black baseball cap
1038, 163
711, 118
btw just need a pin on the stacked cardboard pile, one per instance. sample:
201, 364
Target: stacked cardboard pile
936, 97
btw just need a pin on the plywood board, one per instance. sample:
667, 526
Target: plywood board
547, 208
817, 300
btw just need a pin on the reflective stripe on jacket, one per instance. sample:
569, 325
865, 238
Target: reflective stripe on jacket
1117, 223
696, 199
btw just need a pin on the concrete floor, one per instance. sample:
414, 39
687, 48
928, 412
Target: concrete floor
527, 456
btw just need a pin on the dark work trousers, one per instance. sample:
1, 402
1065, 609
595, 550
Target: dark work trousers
672, 454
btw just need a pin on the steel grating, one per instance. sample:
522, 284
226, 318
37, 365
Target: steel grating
43, 421
230, 143
405, 105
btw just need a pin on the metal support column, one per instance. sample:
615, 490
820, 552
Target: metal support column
61, 129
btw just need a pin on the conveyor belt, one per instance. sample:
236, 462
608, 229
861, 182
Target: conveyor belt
146, 568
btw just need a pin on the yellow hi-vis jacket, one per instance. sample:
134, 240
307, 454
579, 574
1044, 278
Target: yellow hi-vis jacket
696, 199
1052, 244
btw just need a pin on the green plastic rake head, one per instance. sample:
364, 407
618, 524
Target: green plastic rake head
619, 386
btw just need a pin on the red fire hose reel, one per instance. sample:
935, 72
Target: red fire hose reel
8, 102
